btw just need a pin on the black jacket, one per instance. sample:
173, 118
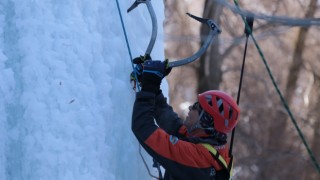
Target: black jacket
182, 156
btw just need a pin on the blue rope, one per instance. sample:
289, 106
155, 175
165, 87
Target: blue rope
124, 31
127, 41
129, 50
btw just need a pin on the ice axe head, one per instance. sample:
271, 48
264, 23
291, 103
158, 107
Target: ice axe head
210, 22
135, 4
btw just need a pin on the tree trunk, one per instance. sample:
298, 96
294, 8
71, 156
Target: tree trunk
280, 146
297, 62
310, 171
209, 72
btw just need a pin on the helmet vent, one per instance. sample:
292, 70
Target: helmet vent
226, 122
208, 98
220, 105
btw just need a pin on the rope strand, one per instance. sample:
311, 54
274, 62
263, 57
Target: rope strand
239, 91
284, 20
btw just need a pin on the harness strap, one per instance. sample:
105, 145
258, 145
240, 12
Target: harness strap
222, 162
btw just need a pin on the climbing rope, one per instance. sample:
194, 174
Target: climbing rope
129, 50
249, 20
125, 33
279, 92
127, 41
283, 20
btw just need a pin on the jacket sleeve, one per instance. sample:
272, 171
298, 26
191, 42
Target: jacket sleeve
165, 117
143, 115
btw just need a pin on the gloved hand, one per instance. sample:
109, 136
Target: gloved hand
136, 74
152, 75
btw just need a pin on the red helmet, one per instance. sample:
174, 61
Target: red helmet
223, 109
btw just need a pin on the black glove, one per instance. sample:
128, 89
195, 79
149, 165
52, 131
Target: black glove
136, 74
141, 59
153, 73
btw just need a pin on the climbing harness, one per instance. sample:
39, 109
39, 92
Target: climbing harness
221, 161
247, 30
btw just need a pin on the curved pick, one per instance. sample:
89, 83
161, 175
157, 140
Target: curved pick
134, 5
202, 20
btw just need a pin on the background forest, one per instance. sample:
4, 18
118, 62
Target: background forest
267, 145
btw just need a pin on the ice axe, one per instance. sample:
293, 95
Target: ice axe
154, 22
214, 30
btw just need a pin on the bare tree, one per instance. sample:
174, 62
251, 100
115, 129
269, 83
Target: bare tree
280, 129
209, 72
310, 171
297, 62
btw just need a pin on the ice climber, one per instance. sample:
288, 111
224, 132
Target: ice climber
193, 149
